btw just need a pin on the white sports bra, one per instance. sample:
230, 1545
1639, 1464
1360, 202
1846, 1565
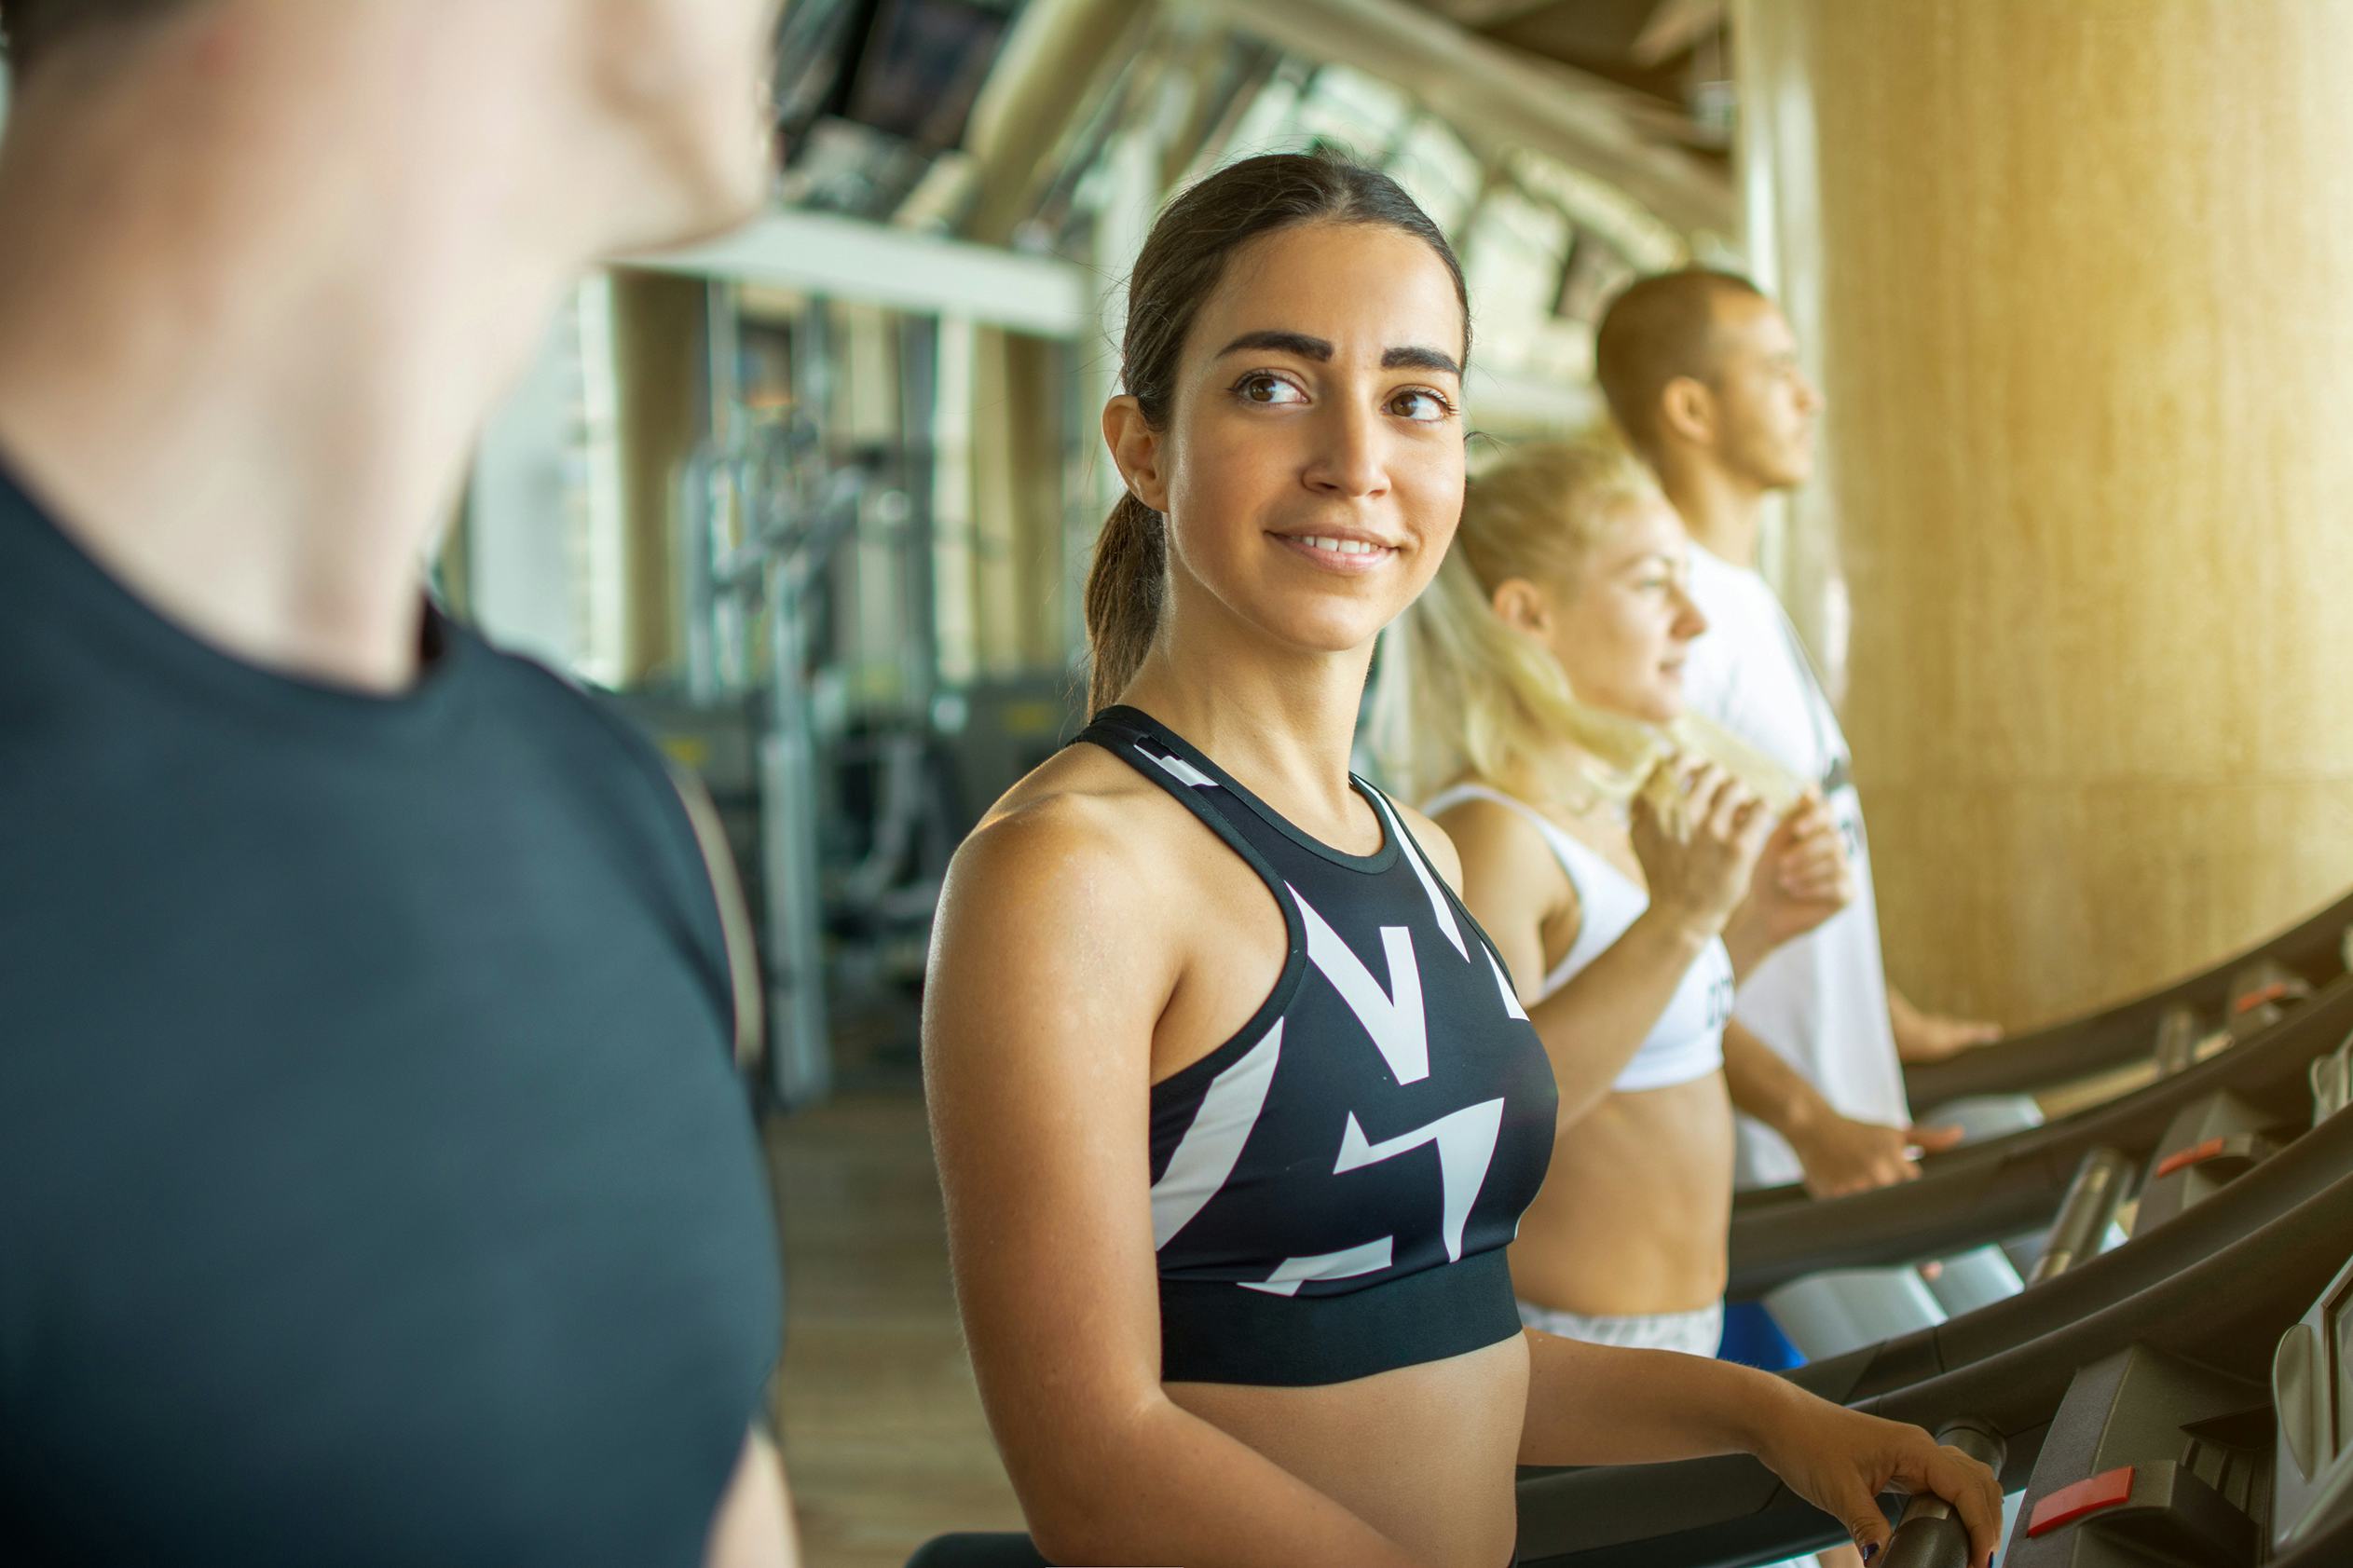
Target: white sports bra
1688, 1040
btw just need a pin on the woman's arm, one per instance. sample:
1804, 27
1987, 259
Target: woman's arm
1054, 955
1593, 1024
1602, 1405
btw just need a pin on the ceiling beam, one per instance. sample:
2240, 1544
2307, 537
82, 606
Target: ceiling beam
1480, 14
848, 259
1056, 63
1507, 93
1674, 27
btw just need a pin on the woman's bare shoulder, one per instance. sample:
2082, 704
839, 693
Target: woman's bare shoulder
1071, 896
1482, 827
1082, 822
1502, 850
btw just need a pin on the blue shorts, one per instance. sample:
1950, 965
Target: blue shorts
1753, 1338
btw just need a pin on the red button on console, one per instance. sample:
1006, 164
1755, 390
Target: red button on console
2196, 1154
2275, 991
2071, 1503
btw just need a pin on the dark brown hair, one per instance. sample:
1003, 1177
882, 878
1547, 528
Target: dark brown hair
1659, 329
1181, 265
30, 29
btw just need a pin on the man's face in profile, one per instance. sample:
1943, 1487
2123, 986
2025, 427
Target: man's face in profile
1765, 405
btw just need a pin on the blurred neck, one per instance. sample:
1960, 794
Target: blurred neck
1722, 509
253, 310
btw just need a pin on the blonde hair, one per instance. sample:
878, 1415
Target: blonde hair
1462, 693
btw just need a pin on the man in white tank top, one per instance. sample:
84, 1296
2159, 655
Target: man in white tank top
1701, 372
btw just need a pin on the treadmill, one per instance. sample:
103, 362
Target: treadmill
2241, 1247
2221, 1317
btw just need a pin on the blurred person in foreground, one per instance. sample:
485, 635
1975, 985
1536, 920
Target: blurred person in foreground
375, 1184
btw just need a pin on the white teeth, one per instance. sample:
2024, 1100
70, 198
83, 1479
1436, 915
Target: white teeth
1340, 547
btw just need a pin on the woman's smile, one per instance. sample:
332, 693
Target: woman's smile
1345, 553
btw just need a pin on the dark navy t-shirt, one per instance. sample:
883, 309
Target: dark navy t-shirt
375, 1185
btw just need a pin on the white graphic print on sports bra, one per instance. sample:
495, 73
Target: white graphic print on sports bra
1394, 1018
1466, 1147
1438, 906
1205, 1155
1399, 1027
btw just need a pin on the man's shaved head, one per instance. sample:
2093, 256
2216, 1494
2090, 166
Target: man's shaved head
33, 28
1657, 329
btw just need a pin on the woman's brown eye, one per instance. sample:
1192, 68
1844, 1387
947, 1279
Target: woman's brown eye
1267, 391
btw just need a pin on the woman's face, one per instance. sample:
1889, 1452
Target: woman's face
1621, 634
1312, 467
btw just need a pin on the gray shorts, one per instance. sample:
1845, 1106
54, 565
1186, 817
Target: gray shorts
1697, 1332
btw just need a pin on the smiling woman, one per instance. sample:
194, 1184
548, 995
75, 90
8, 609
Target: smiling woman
1235, 1109
1189, 250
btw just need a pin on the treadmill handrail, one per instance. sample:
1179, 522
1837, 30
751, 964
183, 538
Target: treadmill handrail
2298, 1173
1975, 1195
1731, 1512
2115, 1035
1931, 1534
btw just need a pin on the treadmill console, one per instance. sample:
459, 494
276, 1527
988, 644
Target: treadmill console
2312, 1390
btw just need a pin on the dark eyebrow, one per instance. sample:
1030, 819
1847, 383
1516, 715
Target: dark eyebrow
1320, 350
1281, 341
1420, 359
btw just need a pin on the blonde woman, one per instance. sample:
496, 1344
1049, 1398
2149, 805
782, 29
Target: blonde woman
1628, 862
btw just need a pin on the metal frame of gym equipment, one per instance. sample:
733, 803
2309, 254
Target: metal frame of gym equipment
1837, 1310
2214, 1213
747, 626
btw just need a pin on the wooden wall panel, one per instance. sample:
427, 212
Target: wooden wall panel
2077, 281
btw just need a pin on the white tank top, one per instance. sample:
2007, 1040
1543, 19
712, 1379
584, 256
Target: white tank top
1686, 1043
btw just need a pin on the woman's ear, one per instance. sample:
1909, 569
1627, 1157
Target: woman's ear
1522, 605
1136, 447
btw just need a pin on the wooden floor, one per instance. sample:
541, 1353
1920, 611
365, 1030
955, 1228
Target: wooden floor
883, 1433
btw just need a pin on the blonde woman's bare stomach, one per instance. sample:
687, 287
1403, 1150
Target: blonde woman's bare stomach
1425, 1453
1636, 1211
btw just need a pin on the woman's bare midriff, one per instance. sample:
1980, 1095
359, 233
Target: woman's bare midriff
1423, 1454
1632, 1216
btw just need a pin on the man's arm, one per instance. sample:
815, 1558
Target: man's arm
1933, 1037
1839, 1154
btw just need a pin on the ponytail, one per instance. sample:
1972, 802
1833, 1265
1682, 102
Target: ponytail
1123, 598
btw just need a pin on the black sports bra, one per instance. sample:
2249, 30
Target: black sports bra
1332, 1188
